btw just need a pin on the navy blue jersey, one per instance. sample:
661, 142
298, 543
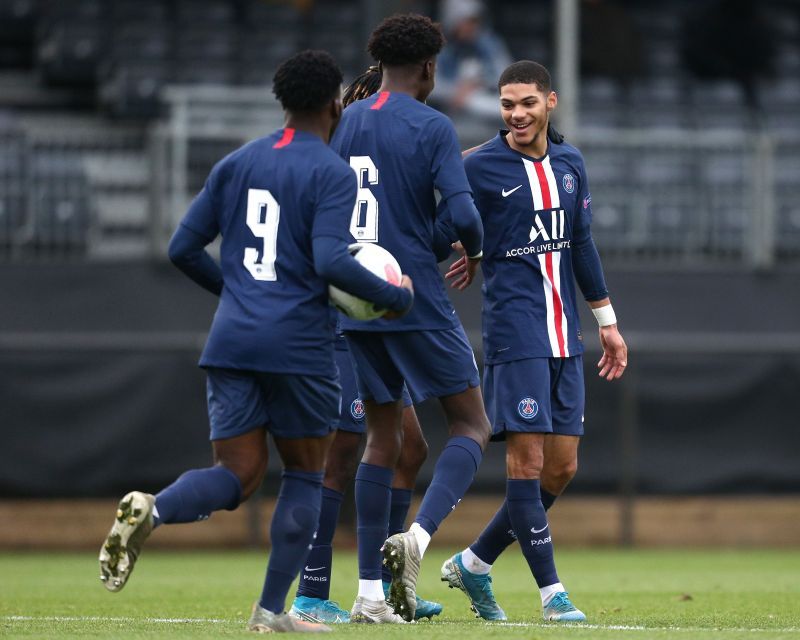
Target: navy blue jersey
535, 212
401, 151
270, 199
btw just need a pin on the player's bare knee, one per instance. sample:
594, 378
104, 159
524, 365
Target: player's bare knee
557, 476
338, 477
413, 455
250, 470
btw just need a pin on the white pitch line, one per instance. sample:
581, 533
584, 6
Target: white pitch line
622, 627
529, 625
117, 619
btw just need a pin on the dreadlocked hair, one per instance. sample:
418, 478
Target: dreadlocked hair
363, 86
405, 39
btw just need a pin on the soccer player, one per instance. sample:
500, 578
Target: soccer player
312, 601
401, 151
533, 196
282, 205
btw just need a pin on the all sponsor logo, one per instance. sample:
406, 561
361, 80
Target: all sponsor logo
569, 182
357, 409
528, 408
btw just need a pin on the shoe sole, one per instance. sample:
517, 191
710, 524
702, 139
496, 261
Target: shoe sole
452, 576
566, 618
401, 597
299, 614
115, 564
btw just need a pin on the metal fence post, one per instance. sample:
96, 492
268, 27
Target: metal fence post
628, 456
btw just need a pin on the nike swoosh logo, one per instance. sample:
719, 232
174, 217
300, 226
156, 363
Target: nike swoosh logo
314, 569
535, 530
508, 193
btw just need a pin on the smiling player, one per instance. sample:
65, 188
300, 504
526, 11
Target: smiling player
534, 200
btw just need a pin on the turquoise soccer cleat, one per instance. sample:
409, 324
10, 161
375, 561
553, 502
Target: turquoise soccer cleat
318, 610
477, 587
560, 609
425, 608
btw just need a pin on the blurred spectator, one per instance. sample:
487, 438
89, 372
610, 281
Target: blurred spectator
471, 62
610, 42
729, 39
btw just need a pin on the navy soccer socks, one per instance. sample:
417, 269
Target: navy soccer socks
401, 503
373, 499
293, 525
454, 472
315, 578
499, 534
196, 494
529, 521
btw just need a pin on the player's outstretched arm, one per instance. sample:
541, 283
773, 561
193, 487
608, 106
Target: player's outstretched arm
333, 262
614, 360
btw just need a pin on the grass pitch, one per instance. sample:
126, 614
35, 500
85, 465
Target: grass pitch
625, 594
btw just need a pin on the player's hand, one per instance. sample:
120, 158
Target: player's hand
406, 283
615, 353
462, 271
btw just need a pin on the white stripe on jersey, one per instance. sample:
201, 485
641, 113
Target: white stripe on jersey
557, 286
548, 299
533, 180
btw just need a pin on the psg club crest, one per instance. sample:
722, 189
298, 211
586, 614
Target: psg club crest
569, 182
357, 409
528, 408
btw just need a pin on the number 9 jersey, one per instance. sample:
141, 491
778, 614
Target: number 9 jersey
269, 200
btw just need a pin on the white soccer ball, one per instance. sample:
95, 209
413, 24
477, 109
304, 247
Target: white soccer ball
382, 264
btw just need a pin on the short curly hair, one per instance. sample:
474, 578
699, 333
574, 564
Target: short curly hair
526, 72
405, 39
307, 81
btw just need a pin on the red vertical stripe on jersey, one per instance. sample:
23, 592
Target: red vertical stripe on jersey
382, 98
558, 309
547, 203
288, 135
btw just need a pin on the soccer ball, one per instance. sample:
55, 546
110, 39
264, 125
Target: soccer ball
382, 264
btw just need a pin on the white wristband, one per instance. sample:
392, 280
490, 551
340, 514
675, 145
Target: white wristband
605, 316
477, 256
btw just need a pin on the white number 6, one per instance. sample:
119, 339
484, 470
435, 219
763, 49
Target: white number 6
364, 223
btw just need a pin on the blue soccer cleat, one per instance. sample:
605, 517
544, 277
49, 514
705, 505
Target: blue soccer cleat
318, 610
478, 588
560, 609
425, 608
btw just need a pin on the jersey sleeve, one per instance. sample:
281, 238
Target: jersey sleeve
336, 197
447, 167
202, 216
585, 259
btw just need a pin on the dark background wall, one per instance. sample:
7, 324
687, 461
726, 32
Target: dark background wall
100, 393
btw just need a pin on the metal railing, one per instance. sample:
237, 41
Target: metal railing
682, 198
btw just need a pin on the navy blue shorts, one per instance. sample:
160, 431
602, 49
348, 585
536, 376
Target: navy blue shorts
433, 364
352, 416
288, 405
535, 395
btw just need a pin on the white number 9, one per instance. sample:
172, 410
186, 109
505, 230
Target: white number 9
263, 215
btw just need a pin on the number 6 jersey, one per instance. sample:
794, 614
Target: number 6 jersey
536, 214
401, 150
